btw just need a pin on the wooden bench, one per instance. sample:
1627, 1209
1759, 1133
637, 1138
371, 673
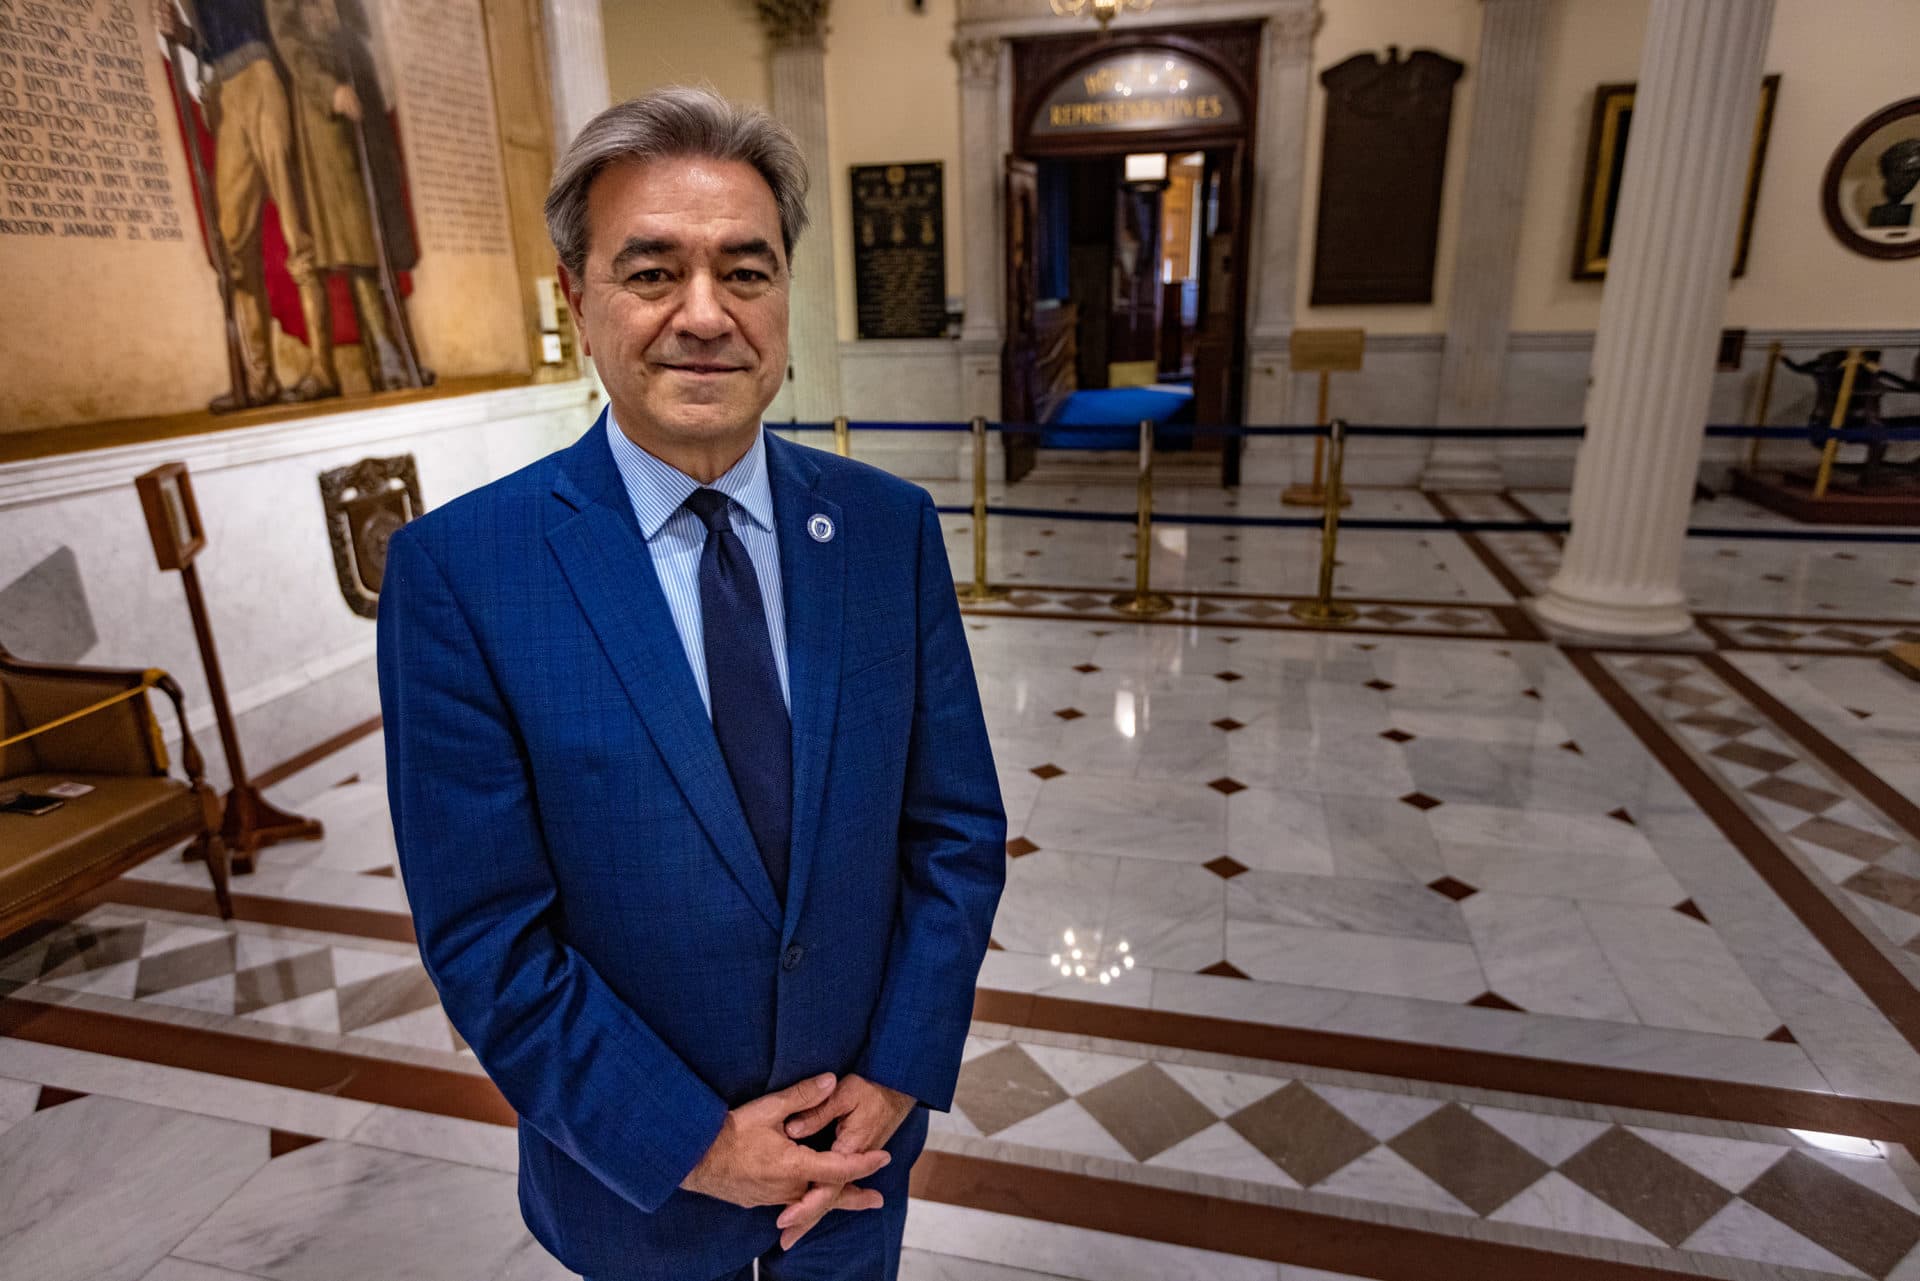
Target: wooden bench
93, 726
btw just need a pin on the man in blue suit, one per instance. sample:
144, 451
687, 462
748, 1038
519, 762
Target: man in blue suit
691, 788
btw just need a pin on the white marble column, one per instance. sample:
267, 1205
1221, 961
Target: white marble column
799, 69
1286, 87
576, 66
1480, 301
1660, 318
981, 169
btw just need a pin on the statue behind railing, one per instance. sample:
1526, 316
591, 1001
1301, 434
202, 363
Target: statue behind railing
1864, 411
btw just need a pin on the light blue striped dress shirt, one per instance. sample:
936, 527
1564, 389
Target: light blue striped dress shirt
675, 537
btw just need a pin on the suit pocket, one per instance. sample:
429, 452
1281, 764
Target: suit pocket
871, 667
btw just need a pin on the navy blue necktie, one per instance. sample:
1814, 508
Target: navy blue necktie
743, 686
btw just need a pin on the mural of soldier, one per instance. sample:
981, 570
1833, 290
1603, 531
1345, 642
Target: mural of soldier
297, 124
351, 172
245, 106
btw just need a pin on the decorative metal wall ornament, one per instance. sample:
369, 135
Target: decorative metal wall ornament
365, 503
1102, 11
1868, 193
1606, 163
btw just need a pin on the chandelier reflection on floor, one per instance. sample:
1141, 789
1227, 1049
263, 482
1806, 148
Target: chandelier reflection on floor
1103, 11
1087, 959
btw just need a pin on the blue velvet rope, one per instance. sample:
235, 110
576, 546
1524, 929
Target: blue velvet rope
1358, 431
1423, 526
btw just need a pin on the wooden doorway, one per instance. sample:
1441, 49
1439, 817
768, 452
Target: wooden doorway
1128, 213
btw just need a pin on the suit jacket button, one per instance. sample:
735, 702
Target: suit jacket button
792, 959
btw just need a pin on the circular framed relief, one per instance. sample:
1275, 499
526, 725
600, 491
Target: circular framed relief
1871, 192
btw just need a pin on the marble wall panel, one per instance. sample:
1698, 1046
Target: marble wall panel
297, 661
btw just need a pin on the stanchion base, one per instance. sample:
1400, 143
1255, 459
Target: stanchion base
1331, 613
981, 593
1142, 604
252, 823
1312, 496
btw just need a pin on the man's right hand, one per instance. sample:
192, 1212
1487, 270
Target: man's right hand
753, 1162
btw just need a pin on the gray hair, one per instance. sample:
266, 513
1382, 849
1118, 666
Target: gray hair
676, 121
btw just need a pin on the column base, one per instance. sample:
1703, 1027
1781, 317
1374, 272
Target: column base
1585, 618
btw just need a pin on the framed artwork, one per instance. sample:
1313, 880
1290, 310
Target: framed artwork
1868, 192
1607, 162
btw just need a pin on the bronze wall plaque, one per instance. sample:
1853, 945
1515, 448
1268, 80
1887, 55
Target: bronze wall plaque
899, 251
1382, 164
365, 502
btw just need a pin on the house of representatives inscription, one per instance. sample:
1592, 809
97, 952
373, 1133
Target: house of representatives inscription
80, 142
899, 251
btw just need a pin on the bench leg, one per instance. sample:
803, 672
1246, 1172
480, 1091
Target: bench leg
214, 850
210, 846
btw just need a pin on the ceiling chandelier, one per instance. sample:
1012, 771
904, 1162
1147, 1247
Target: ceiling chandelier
1103, 11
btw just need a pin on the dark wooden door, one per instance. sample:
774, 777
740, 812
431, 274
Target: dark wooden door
1134, 322
1218, 344
1019, 357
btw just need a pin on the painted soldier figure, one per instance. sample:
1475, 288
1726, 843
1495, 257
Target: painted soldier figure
255, 158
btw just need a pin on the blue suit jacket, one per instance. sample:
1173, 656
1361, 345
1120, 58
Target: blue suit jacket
588, 897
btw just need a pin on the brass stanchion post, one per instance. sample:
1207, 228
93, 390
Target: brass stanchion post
1836, 422
1766, 402
842, 438
980, 589
1143, 600
1324, 610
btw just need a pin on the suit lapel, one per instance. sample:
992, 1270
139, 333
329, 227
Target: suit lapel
606, 562
813, 586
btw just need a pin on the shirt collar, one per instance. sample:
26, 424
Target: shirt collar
658, 489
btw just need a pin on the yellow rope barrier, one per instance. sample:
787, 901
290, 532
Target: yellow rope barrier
148, 680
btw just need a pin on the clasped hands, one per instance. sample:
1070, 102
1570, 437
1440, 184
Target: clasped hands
756, 1160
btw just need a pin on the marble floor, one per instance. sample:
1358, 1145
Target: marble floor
1425, 947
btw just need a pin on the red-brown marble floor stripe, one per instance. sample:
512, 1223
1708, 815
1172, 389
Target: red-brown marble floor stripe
1447, 1065
1875, 789
1352, 1052
1524, 512
1302, 1238
1882, 981
362, 1078
319, 751
1489, 561
259, 909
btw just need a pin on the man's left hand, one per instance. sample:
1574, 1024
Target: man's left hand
869, 1114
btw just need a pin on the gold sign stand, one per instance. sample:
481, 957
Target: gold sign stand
1324, 610
173, 523
1323, 352
1143, 601
980, 589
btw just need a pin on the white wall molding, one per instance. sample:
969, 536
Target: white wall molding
37, 480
